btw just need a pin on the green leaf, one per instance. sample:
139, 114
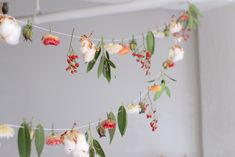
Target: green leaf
122, 120
98, 148
87, 136
24, 141
101, 66
168, 92
111, 64
92, 63
111, 116
108, 73
39, 139
150, 42
107, 55
91, 152
107, 70
151, 81
158, 94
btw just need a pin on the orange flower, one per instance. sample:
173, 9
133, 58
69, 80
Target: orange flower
124, 50
155, 88
53, 140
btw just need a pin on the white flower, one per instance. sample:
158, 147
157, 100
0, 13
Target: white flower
10, 30
133, 108
175, 27
87, 49
176, 53
79, 148
113, 48
159, 34
6, 131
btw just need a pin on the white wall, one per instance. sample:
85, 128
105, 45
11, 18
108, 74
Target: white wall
33, 83
216, 40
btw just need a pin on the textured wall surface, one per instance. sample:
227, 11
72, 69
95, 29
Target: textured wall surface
33, 83
216, 40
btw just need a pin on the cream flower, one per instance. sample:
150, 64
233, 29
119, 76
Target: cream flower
87, 48
175, 27
133, 108
10, 30
6, 131
159, 34
77, 149
113, 48
176, 53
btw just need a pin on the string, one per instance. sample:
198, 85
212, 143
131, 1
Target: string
79, 127
78, 37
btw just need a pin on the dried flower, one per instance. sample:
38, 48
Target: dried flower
101, 130
70, 135
159, 34
53, 139
109, 124
6, 131
155, 88
175, 27
168, 64
133, 45
113, 48
28, 32
125, 49
50, 39
176, 53
87, 48
10, 30
133, 108
79, 148
143, 107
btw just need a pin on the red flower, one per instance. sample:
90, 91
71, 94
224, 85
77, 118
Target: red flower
109, 124
50, 39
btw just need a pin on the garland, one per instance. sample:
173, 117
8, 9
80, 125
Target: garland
86, 145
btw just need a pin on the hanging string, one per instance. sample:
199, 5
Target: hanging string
94, 39
79, 127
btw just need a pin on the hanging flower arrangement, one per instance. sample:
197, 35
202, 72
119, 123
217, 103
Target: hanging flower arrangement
85, 145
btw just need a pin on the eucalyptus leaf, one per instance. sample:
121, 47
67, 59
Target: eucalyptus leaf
101, 66
122, 120
108, 71
98, 148
151, 81
168, 92
150, 42
39, 139
111, 116
24, 141
92, 63
87, 136
91, 152
111, 64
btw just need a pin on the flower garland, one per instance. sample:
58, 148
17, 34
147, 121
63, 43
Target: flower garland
74, 141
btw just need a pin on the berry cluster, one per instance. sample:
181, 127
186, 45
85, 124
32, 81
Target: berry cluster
144, 60
152, 115
72, 63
